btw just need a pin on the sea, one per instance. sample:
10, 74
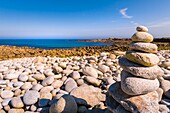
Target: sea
49, 43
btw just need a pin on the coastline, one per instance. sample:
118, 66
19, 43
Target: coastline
114, 44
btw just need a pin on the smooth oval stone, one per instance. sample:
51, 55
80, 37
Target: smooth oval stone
11, 76
80, 82
7, 94
23, 77
66, 104
16, 102
16, 111
37, 87
142, 29
145, 47
26, 85
70, 85
6, 101
45, 95
103, 68
142, 37
90, 71
146, 59
39, 76
31, 97
46, 89
139, 70
75, 75
57, 83
92, 80
47, 81
132, 85
165, 85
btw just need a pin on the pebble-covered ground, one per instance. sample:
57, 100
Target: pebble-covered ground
73, 84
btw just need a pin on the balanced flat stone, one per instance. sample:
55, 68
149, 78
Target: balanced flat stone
142, 37
146, 59
147, 103
132, 85
139, 70
145, 47
142, 29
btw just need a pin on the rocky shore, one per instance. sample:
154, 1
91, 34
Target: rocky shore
67, 85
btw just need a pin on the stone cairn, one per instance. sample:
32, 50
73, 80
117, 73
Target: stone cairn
138, 91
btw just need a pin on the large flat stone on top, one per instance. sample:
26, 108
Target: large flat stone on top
142, 37
132, 85
146, 47
147, 103
139, 70
146, 59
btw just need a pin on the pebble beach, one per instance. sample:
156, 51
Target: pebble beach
135, 81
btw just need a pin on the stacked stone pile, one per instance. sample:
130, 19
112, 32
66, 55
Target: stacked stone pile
138, 91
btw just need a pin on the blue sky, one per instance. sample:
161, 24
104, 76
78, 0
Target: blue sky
82, 18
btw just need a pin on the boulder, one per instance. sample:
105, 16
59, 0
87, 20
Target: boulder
132, 85
139, 70
147, 103
146, 59
66, 104
90, 94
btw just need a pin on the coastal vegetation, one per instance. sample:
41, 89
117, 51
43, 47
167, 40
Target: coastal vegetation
118, 44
